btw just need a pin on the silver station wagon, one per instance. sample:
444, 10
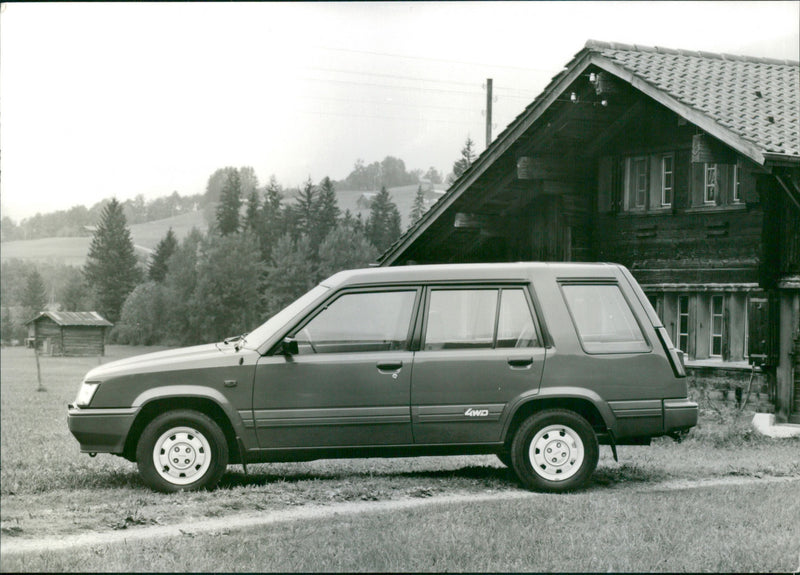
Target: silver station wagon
538, 363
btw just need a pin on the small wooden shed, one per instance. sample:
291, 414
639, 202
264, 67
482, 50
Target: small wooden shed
69, 333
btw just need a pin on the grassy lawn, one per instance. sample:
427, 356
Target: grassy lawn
48, 489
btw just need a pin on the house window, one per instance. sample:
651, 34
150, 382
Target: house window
736, 197
667, 179
639, 179
716, 326
683, 323
710, 186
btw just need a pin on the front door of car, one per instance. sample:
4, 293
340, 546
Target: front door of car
480, 348
349, 383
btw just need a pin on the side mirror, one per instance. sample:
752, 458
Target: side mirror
289, 346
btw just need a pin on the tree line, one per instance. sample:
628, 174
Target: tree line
259, 254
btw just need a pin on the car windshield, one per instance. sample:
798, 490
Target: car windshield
259, 335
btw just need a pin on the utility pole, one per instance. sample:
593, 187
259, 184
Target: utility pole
488, 111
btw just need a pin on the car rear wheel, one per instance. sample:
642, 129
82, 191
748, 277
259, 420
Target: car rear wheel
182, 450
554, 450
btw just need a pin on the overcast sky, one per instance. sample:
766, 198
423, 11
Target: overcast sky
100, 100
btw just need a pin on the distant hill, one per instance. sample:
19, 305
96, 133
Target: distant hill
402, 196
73, 251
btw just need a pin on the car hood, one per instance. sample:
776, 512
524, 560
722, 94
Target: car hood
199, 356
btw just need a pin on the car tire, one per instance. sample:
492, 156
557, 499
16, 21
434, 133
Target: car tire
182, 450
505, 458
554, 450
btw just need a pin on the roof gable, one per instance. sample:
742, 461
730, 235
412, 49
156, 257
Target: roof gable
75, 318
757, 99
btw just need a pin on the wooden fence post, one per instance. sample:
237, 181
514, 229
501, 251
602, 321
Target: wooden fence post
38, 368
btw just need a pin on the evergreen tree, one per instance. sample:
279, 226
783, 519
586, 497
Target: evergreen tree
164, 250
271, 217
230, 202
184, 314
326, 212
418, 208
6, 326
291, 274
344, 248
34, 299
304, 208
111, 271
73, 294
465, 161
228, 285
252, 214
383, 225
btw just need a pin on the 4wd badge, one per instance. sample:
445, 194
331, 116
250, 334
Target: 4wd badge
471, 412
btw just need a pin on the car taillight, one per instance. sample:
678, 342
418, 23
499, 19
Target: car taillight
675, 355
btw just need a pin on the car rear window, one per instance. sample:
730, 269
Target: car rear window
603, 319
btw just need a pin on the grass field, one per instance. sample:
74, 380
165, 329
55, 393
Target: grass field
73, 251
48, 489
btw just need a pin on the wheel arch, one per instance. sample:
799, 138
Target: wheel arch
205, 405
584, 404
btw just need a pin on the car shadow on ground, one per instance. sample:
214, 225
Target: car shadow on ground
262, 475
485, 475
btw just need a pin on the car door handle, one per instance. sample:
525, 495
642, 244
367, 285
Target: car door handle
389, 366
520, 362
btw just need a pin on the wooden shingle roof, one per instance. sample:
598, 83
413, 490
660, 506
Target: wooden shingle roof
75, 318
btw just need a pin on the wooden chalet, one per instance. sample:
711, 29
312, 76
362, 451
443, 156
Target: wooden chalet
684, 166
69, 333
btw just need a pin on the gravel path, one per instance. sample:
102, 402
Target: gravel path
9, 546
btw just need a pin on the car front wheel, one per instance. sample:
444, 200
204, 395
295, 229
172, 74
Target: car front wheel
182, 450
554, 450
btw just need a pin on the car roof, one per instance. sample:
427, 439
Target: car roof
467, 272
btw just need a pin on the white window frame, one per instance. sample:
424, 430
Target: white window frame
713, 187
635, 177
721, 315
678, 331
664, 172
736, 193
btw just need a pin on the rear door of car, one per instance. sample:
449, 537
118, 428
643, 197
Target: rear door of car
479, 347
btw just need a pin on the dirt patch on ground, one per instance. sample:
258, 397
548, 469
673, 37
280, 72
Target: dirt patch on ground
245, 520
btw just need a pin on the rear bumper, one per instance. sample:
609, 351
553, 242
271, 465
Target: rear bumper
101, 430
679, 415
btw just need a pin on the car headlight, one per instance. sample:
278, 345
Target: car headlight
86, 393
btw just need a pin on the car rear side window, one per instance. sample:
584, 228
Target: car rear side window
471, 318
515, 325
603, 319
358, 322
461, 318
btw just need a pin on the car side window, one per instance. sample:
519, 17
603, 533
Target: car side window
515, 326
603, 319
461, 318
360, 322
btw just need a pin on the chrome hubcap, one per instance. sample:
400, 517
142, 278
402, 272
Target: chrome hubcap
182, 455
556, 452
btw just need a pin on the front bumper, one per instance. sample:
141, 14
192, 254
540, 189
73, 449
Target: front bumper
101, 430
679, 415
